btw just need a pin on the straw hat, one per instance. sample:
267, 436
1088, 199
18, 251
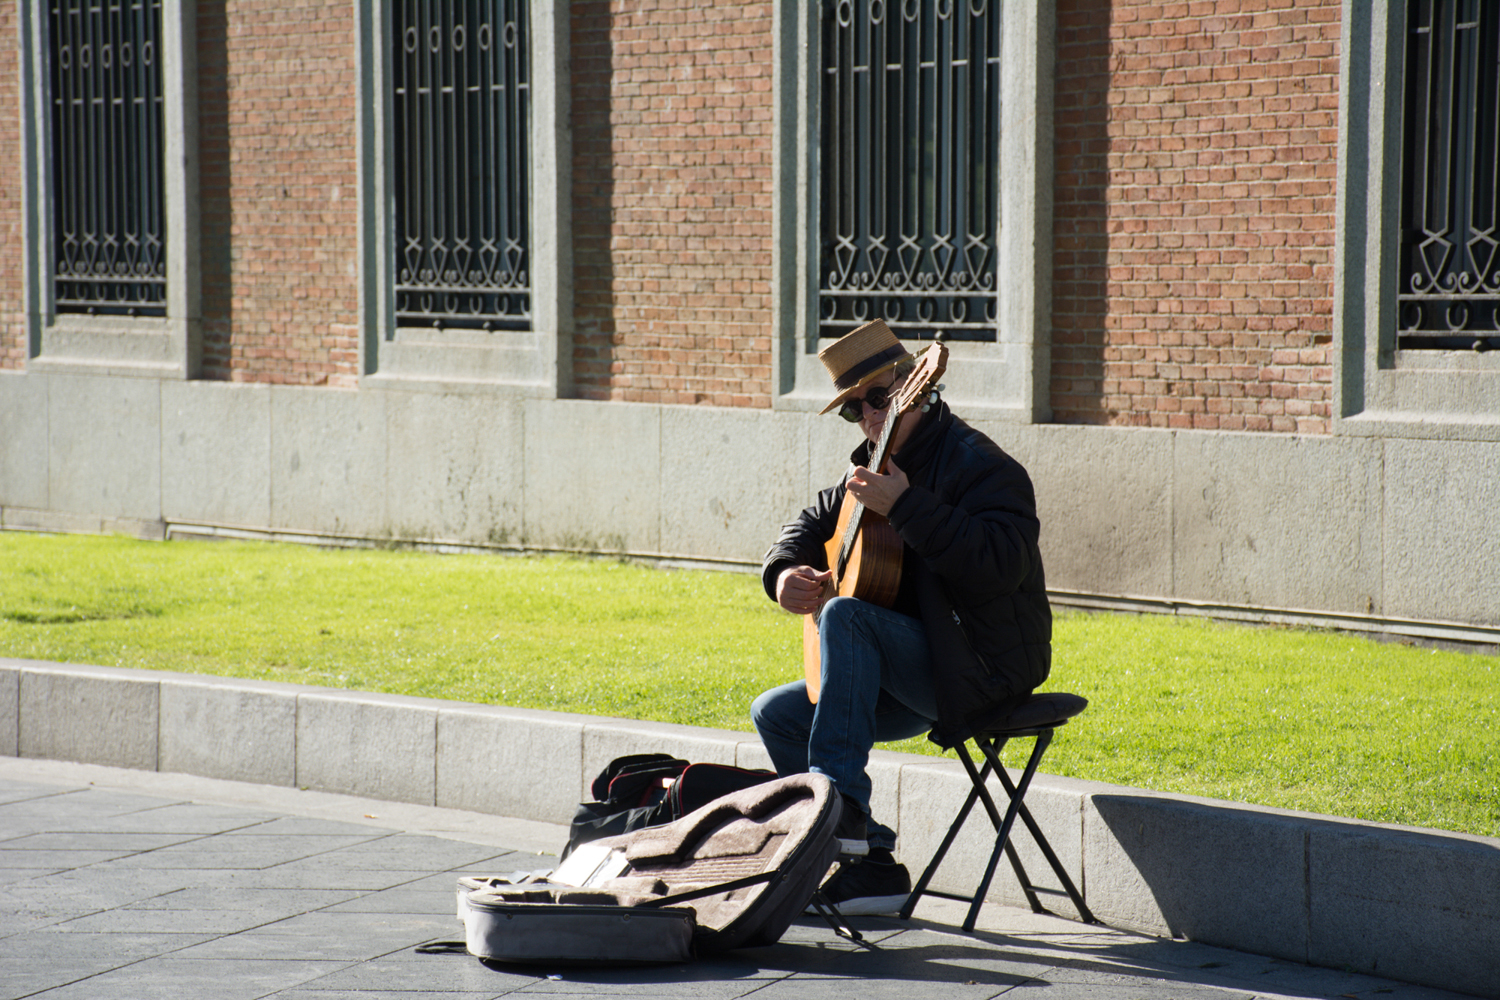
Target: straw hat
859, 356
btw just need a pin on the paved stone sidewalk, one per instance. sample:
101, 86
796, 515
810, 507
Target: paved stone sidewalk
116, 885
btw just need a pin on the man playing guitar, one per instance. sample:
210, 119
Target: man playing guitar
922, 581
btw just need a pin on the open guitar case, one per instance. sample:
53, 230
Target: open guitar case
734, 873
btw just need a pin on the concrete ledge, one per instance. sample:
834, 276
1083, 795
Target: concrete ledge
236, 730
380, 745
1444, 888
1207, 871
10, 712
95, 715
1417, 905
487, 760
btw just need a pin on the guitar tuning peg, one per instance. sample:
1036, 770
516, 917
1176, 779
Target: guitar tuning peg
933, 398
940, 387
925, 407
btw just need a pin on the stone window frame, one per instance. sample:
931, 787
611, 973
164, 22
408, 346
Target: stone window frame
1380, 391
533, 363
168, 347
1005, 380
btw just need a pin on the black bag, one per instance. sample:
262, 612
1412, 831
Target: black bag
636, 779
649, 789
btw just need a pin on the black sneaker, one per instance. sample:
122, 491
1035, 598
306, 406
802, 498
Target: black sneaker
868, 887
853, 830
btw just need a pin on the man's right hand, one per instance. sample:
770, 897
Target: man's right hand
799, 589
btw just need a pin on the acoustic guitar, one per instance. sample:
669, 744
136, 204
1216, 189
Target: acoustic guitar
865, 551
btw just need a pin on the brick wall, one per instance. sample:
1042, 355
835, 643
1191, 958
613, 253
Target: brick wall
1196, 146
672, 201
1194, 204
12, 247
277, 92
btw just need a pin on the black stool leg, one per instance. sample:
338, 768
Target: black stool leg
937, 859
1084, 912
977, 792
991, 746
1002, 837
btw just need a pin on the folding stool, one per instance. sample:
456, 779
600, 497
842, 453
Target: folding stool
1037, 718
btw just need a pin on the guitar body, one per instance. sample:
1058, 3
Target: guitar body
874, 570
872, 574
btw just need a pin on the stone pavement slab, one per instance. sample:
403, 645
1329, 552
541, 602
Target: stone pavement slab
119, 884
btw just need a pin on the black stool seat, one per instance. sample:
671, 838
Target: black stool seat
1037, 718
1041, 710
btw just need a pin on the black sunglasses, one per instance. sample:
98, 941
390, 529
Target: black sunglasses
878, 398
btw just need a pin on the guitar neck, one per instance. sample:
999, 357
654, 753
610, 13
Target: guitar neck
846, 547
877, 454
856, 515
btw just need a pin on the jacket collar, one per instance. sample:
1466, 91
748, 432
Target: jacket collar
918, 452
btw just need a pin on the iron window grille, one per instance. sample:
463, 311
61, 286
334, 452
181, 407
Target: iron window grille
462, 114
1450, 177
108, 213
910, 133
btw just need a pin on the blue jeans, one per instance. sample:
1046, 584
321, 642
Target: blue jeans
876, 687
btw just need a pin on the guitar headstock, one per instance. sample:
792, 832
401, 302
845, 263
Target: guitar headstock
931, 364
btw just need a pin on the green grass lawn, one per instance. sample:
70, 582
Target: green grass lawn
1320, 721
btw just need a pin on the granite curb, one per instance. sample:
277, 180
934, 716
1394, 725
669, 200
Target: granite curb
1422, 906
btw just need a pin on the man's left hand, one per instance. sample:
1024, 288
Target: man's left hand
878, 493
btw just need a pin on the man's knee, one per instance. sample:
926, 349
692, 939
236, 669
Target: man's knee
838, 611
783, 710
760, 708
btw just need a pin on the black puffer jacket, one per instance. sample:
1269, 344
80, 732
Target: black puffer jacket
969, 518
